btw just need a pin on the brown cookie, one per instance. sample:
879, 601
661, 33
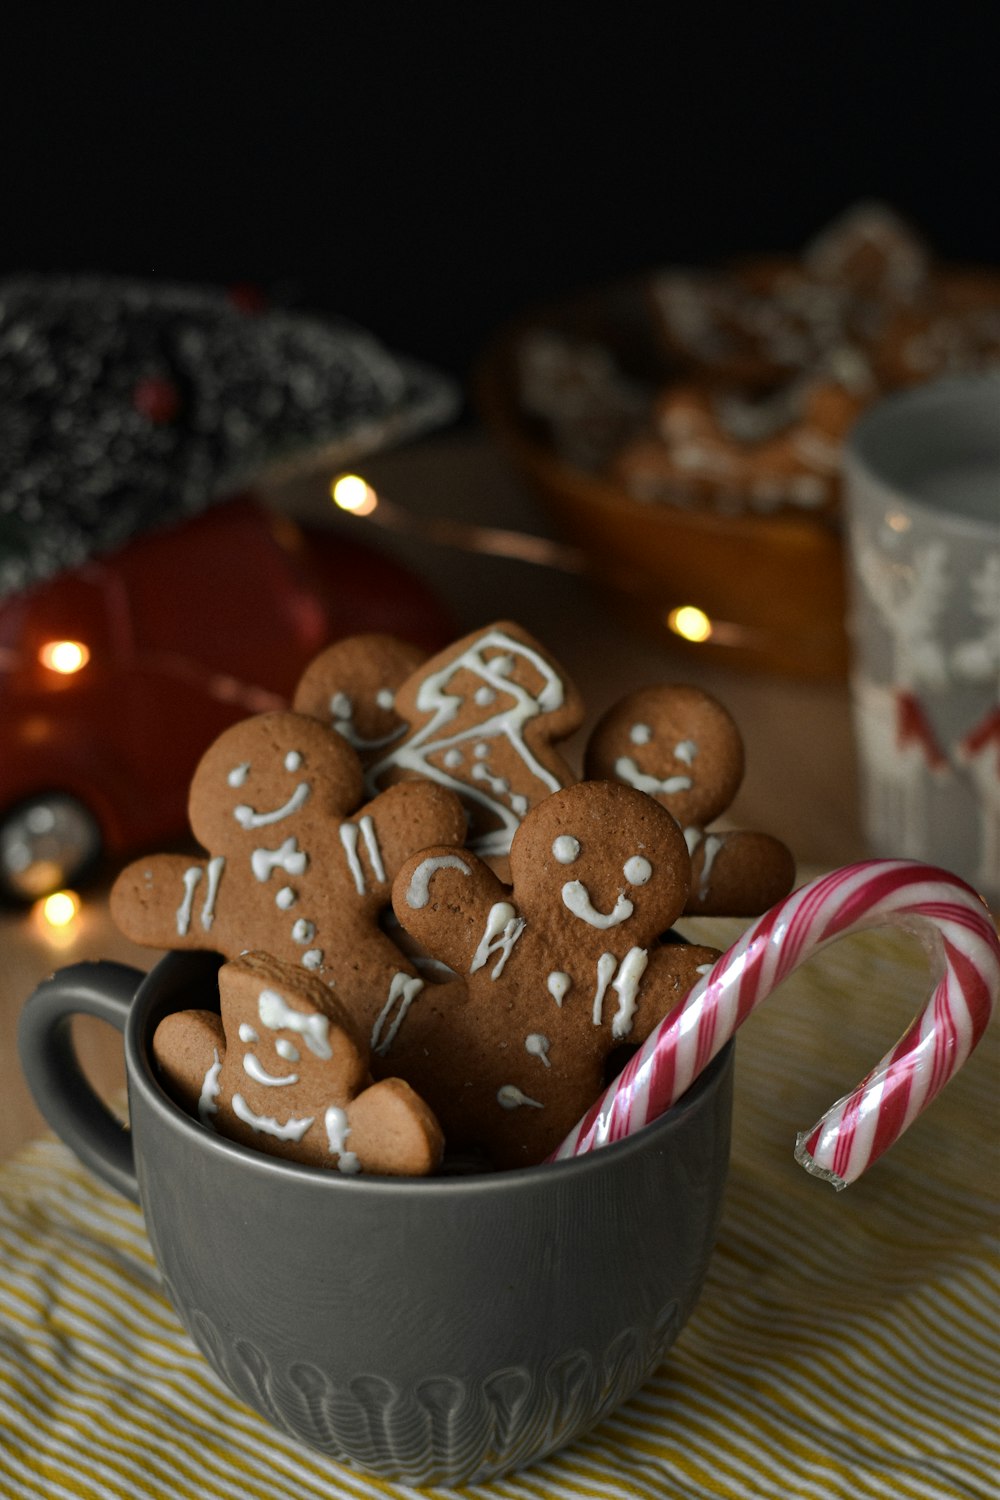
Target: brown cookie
296, 867
560, 972
284, 1069
726, 450
352, 685
483, 717
679, 745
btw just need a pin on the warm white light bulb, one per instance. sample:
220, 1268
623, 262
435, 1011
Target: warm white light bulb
352, 493
64, 657
60, 908
690, 622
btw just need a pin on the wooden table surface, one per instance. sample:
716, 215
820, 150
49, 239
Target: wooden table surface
800, 782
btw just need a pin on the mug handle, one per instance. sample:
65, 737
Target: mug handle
51, 1066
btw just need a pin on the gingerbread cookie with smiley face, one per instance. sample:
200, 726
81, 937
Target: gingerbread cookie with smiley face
679, 745
284, 1069
298, 866
560, 971
352, 686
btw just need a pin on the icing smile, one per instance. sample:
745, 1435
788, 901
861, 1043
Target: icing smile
253, 1069
627, 770
247, 817
576, 898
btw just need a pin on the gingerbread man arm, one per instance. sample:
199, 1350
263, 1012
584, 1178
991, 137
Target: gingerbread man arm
169, 901
189, 1048
394, 825
453, 904
392, 1131
738, 874
672, 970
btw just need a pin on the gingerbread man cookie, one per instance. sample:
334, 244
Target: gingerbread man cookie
284, 1069
352, 687
560, 972
296, 867
679, 745
483, 716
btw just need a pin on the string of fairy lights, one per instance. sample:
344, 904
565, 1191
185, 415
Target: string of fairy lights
57, 916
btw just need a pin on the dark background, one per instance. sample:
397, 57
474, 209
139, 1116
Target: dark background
432, 168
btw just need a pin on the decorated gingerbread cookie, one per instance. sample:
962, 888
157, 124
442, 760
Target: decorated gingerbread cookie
352, 687
722, 449
483, 720
284, 1069
560, 972
297, 866
679, 745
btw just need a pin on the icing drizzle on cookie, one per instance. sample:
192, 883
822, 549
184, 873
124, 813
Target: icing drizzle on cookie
349, 833
418, 892
509, 1096
427, 751
503, 928
576, 898
403, 990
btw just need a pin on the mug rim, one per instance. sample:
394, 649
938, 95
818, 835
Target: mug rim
140, 1074
934, 398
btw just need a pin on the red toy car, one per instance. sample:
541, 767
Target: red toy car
116, 676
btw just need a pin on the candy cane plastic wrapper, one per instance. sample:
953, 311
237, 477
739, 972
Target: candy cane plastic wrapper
961, 940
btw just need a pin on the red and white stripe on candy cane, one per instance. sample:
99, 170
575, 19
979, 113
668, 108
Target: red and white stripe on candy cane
958, 933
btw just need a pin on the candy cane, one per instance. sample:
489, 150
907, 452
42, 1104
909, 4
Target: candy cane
958, 935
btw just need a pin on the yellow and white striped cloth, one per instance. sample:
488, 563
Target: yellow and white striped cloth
845, 1345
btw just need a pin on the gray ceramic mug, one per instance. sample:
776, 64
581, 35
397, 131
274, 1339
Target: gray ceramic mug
438, 1331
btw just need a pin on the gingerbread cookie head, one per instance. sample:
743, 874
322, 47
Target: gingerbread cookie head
284, 1070
681, 746
352, 686
674, 742
295, 866
601, 866
483, 719
560, 971
278, 773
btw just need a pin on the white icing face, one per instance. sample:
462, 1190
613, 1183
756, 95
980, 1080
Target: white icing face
637, 870
249, 817
342, 720
566, 848
276, 1015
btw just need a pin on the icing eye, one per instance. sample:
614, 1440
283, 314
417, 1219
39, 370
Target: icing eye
385, 698
293, 760
686, 751
287, 1050
637, 870
640, 734
341, 706
566, 848
239, 774
247, 1034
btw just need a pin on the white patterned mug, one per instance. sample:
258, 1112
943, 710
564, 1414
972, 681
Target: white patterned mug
437, 1331
922, 472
